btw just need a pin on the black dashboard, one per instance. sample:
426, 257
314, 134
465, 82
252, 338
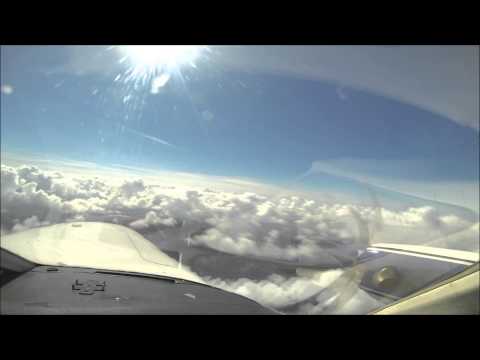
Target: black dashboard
30, 289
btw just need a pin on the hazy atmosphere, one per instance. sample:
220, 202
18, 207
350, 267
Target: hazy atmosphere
250, 161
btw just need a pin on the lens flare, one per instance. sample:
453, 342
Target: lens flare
148, 62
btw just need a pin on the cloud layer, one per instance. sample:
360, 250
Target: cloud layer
287, 228
243, 223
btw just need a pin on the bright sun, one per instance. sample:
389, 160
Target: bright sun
146, 62
162, 55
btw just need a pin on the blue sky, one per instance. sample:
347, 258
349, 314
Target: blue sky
225, 121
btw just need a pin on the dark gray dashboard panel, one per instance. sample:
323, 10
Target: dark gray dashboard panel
47, 291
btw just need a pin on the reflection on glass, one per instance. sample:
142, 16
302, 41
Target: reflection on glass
275, 172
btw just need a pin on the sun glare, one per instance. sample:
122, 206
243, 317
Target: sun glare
147, 62
162, 55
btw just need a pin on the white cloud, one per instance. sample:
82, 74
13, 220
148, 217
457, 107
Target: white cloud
152, 219
259, 223
29, 223
22, 198
284, 227
6, 89
331, 292
277, 291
